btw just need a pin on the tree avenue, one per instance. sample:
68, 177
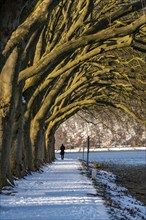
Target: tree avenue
64, 56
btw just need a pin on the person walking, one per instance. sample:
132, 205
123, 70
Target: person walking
62, 148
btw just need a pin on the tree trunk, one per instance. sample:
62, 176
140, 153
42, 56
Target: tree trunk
41, 148
36, 139
5, 143
28, 158
8, 79
17, 162
50, 145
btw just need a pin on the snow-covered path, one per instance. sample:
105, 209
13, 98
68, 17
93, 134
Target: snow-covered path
59, 193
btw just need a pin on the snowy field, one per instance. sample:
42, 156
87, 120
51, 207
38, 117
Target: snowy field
130, 157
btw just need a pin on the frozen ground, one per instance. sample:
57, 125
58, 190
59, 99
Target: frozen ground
121, 204
60, 192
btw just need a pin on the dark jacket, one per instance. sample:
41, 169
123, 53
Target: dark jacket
62, 148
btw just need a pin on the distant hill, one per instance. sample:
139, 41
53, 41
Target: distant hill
73, 134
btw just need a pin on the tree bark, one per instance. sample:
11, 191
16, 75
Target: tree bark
17, 151
36, 137
8, 79
50, 144
28, 156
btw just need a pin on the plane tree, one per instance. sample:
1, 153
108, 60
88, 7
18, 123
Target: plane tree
64, 56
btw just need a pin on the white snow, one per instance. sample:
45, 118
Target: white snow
23, 100
122, 204
60, 192
120, 148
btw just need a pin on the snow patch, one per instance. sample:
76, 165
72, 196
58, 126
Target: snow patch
23, 100
121, 204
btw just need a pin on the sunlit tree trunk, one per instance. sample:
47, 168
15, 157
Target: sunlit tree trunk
35, 135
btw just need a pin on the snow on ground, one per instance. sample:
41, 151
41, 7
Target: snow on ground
121, 204
60, 192
117, 148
